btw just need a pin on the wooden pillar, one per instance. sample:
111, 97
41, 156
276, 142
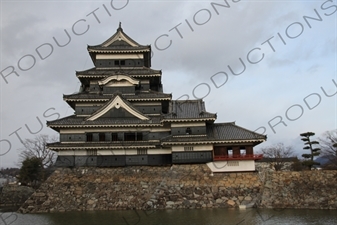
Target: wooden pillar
224, 151
249, 150
236, 151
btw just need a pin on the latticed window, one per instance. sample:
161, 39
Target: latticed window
129, 136
114, 137
233, 163
141, 151
101, 136
188, 148
89, 137
139, 136
188, 130
91, 152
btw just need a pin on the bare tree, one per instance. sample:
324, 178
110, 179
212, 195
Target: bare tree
37, 148
279, 153
328, 145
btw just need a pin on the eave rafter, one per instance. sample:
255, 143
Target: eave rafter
107, 126
100, 147
105, 100
169, 143
188, 120
105, 76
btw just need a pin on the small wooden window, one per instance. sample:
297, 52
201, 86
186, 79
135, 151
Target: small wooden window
89, 137
188, 148
129, 137
91, 152
101, 136
139, 136
114, 137
141, 151
233, 163
188, 130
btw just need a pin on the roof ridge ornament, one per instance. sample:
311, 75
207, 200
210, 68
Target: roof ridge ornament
120, 26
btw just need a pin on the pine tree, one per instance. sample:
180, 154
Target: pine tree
309, 146
31, 172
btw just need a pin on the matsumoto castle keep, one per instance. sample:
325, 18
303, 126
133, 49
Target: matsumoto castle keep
123, 118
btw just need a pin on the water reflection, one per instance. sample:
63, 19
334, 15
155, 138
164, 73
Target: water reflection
177, 217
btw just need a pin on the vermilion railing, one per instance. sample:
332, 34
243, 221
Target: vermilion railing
238, 157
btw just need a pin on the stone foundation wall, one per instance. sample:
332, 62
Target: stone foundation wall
305, 189
14, 195
180, 186
143, 187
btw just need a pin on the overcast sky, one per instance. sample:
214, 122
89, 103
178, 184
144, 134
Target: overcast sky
285, 61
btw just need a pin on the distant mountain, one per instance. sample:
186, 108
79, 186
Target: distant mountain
322, 160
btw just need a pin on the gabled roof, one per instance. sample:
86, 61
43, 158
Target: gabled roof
188, 110
217, 133
117, 101
119, 42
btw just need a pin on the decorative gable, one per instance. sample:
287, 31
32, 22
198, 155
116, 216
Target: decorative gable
118, 80
121, 39
117, 103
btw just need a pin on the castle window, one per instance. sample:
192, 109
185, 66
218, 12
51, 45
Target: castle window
89, 137
141, 151
129, 136
101, 136
122, 62
116, 62
188, 148
91, 152
114, 137
188, 130
233, 163
139, 136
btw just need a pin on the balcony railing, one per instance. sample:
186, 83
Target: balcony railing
238, 157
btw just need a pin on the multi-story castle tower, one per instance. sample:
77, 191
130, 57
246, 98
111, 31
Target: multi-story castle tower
122, 117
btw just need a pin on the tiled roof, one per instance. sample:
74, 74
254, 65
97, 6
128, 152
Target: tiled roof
230, 131
188, 109
139, 96
132, 71
101, 122
218, 133
119, 48
119, 42
104, 145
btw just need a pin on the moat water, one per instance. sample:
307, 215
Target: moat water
184, 217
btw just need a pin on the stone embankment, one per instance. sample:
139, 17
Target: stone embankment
14, 195
304, 189
181, 186
143, 187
